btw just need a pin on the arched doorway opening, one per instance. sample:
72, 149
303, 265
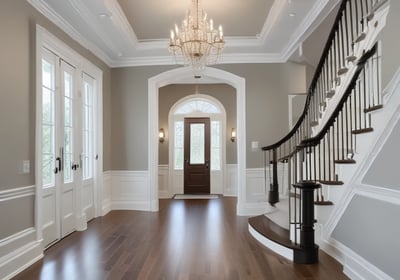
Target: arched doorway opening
186, 74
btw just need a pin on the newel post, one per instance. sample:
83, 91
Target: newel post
273, 196
309, 250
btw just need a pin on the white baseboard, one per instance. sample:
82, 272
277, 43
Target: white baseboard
18, 252
130, 205
354, 266
106, 202
252, 208
129, 191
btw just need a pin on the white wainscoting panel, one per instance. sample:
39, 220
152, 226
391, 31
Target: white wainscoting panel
163, 189
256, 191
177, 187
21, 249
216, 182
130, 190
231, 180
255, 202
106, 203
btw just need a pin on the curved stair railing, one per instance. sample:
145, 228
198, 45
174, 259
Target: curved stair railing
343, 93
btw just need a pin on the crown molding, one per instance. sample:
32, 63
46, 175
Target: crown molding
307, 26
117, 16
90, 20
55, 18
273, 15
231, 58
119, 19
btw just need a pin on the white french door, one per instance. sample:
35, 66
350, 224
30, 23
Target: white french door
67, 147
87, 157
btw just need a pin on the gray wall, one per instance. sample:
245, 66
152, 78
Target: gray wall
371, 229
129, 116
266, 105
384, 171
266, 110
391, 43
17, 106
225, 94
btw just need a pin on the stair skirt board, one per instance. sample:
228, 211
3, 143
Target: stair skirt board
272, 236
272, 245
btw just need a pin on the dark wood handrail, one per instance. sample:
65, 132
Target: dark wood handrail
318, 70
312, 141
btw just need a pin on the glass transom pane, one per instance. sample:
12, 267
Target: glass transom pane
197, 147
199, 106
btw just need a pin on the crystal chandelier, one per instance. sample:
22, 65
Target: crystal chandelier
196, 40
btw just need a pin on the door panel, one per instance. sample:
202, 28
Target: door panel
87, 158
49, 216
68, 213
48, 152
68, 145
87, 199
58, 148
197, 155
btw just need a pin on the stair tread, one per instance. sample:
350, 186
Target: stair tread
330, 93
323, 203
333, 183
351, 58
361, 37
343, 70
373, 108
345, 161
362, 130
272, 231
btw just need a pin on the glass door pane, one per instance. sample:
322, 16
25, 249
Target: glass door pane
48, 122
87, 128
68, 126
197, 145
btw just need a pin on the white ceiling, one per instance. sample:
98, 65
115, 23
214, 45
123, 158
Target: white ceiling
135, 32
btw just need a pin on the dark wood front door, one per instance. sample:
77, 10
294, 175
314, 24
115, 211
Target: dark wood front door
197, 156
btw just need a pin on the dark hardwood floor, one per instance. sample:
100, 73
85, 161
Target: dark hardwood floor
186, 239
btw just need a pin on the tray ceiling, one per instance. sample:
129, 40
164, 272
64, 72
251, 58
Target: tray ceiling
135, 32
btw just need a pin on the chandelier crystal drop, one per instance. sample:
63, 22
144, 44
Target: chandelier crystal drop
196, 40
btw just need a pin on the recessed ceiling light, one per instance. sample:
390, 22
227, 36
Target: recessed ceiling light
292, 14
103, 15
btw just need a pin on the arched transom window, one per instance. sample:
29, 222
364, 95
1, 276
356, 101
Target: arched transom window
196, 106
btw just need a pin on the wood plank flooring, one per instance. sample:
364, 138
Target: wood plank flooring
186, 239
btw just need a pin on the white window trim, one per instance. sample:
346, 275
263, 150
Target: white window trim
45, 39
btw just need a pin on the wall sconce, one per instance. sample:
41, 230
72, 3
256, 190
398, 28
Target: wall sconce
233, 135
161, 135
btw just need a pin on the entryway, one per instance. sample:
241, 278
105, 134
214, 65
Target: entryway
197, 156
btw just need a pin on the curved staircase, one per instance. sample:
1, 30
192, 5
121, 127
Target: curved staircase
344, 95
